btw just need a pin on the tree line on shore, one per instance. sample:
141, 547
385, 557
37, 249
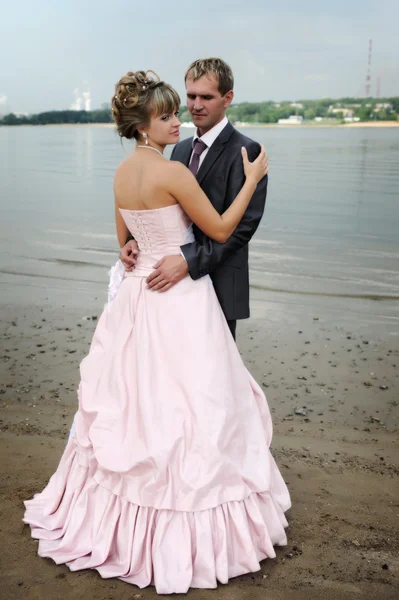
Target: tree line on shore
370, 109
59, 117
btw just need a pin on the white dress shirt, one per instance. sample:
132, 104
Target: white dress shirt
208, 138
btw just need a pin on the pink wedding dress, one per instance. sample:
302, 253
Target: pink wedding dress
168, 479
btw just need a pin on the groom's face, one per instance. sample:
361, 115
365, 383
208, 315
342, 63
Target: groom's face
205, 103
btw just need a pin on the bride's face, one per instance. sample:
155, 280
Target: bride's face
164, 129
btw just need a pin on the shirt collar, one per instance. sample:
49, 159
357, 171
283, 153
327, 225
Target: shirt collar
210, 136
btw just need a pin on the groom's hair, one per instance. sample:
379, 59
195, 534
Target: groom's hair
212, 66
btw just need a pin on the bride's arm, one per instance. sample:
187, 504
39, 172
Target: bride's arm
121, 229
184, 187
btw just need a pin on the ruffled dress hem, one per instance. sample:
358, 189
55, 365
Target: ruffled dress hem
86, 526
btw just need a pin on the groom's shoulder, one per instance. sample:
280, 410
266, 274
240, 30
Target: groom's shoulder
181, 148
237, 140
184, 143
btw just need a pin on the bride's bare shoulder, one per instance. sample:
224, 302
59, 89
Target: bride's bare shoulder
178, 177
124, 164
177, 168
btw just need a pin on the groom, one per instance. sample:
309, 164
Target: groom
214, 156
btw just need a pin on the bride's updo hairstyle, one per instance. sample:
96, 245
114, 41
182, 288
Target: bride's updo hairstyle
138, 96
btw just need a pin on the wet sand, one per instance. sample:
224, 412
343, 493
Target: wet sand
333, 392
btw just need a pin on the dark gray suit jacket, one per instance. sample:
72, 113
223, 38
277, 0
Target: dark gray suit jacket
221, 176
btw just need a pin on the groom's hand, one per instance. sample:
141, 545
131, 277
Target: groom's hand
128, 254
168, 271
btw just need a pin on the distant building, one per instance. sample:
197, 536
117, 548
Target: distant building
3, 105
346, 112
82, 100
77, 103
296, 105
86, 101
292, 120
325, 119
382, 106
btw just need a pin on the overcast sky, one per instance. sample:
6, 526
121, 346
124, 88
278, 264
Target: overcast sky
278, 50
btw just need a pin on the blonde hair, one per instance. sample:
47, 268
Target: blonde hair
139, 96
212, 66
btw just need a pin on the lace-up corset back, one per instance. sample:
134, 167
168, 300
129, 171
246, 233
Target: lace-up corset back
158, 232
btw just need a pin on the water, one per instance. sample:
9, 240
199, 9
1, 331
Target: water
330, 229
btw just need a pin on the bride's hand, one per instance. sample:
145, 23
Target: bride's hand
256, 169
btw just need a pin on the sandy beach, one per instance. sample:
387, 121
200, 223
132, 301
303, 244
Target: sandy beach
372, 124
332, 387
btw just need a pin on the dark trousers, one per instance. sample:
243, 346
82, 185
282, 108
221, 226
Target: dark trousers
232, 326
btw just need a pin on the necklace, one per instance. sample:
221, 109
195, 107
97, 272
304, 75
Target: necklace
149, 148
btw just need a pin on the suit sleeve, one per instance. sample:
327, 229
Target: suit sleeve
204, 258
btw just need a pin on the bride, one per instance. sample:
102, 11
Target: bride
168, 479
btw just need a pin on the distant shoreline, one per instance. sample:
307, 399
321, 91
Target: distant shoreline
360, 124
371, 124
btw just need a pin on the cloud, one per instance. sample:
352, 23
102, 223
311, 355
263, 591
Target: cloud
316, 77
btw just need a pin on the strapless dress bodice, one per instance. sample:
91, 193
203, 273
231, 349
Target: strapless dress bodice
159, 232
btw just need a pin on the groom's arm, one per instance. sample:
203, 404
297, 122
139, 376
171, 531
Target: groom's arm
203, 258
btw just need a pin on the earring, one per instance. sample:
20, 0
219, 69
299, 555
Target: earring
146, 138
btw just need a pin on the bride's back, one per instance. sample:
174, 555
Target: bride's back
140, 181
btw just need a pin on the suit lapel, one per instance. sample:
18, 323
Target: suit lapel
214, 152
186, 153
212, 155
